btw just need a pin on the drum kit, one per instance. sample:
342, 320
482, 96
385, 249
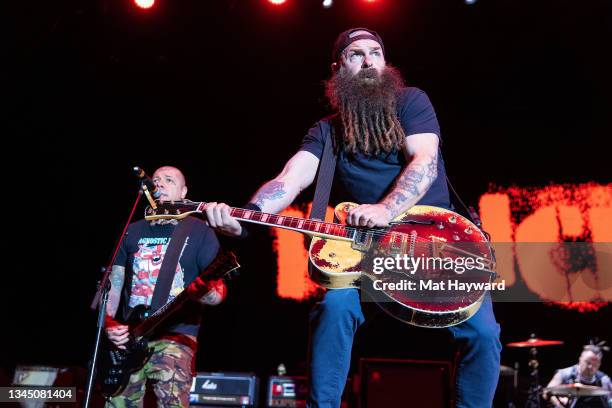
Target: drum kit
536, 391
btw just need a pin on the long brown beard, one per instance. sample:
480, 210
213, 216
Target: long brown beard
367, 106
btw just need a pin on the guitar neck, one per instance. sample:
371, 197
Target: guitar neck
223, 266
307, 226
146, 327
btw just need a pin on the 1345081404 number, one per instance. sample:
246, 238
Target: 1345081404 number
30, 393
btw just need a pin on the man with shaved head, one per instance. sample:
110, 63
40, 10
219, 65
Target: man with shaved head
169, 369
386, 139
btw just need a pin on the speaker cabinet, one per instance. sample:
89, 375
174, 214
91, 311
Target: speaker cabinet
405, 383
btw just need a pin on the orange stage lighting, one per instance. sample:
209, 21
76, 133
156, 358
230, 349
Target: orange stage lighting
531, 219
518, 219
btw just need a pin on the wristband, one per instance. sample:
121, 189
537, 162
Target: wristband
248, 206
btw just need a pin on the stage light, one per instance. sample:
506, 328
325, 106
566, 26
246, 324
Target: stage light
327, 3
145, 4
470, 1
277, 2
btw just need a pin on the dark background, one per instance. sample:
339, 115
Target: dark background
225, 90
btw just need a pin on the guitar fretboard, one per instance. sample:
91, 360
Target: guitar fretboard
147, 326
294, 223
222, 266
315, 227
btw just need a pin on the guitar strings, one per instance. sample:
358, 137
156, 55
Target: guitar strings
374, 232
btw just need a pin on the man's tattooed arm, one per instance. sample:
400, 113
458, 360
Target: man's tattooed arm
412, 184
117, 277
278, 193
273, 190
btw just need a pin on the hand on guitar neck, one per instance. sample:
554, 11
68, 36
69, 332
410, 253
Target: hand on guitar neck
207, 292
218, 217
365, 215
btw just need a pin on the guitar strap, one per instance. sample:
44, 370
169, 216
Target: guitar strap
170, 262
325, 177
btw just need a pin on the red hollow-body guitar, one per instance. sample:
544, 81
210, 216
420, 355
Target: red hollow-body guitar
431, 267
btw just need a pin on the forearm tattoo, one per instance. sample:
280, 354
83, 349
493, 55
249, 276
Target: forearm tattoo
411, 185
272, 190
117, 277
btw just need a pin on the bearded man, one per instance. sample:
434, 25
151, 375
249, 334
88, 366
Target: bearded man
386, 137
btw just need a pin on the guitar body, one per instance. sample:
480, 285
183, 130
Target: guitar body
116, 365
423, 231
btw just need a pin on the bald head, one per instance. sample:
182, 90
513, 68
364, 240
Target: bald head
589, 362
171, 183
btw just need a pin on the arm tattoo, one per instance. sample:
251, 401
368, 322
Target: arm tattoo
432, 169
117, 276
406, 187
411, 185
272, 190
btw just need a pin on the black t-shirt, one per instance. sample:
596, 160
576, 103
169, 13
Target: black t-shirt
366, 179
142, 252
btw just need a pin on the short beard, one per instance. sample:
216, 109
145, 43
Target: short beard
367, 106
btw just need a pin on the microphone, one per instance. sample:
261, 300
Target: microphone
146, 181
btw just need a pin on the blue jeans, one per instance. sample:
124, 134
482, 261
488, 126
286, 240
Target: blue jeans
335, 320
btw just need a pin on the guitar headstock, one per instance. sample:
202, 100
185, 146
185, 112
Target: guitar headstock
225, 266
173, 210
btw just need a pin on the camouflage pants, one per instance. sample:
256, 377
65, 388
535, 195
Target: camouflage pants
168, 371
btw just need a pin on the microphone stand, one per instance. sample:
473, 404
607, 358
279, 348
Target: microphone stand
100, 299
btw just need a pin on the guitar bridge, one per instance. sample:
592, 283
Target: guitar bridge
362, 240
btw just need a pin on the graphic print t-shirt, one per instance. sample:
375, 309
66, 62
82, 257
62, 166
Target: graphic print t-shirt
146, 265
142, 253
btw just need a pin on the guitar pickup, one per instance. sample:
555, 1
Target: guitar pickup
397, 242
362, 240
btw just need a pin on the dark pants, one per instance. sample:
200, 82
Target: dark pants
335, 320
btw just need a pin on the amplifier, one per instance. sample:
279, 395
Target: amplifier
215, 390
35, 375
405, 383
46, 376
287, 392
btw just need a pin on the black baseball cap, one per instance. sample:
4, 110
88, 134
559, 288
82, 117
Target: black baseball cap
349, 36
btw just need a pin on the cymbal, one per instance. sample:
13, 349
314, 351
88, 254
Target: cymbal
535, 342
576, 390
506, 371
